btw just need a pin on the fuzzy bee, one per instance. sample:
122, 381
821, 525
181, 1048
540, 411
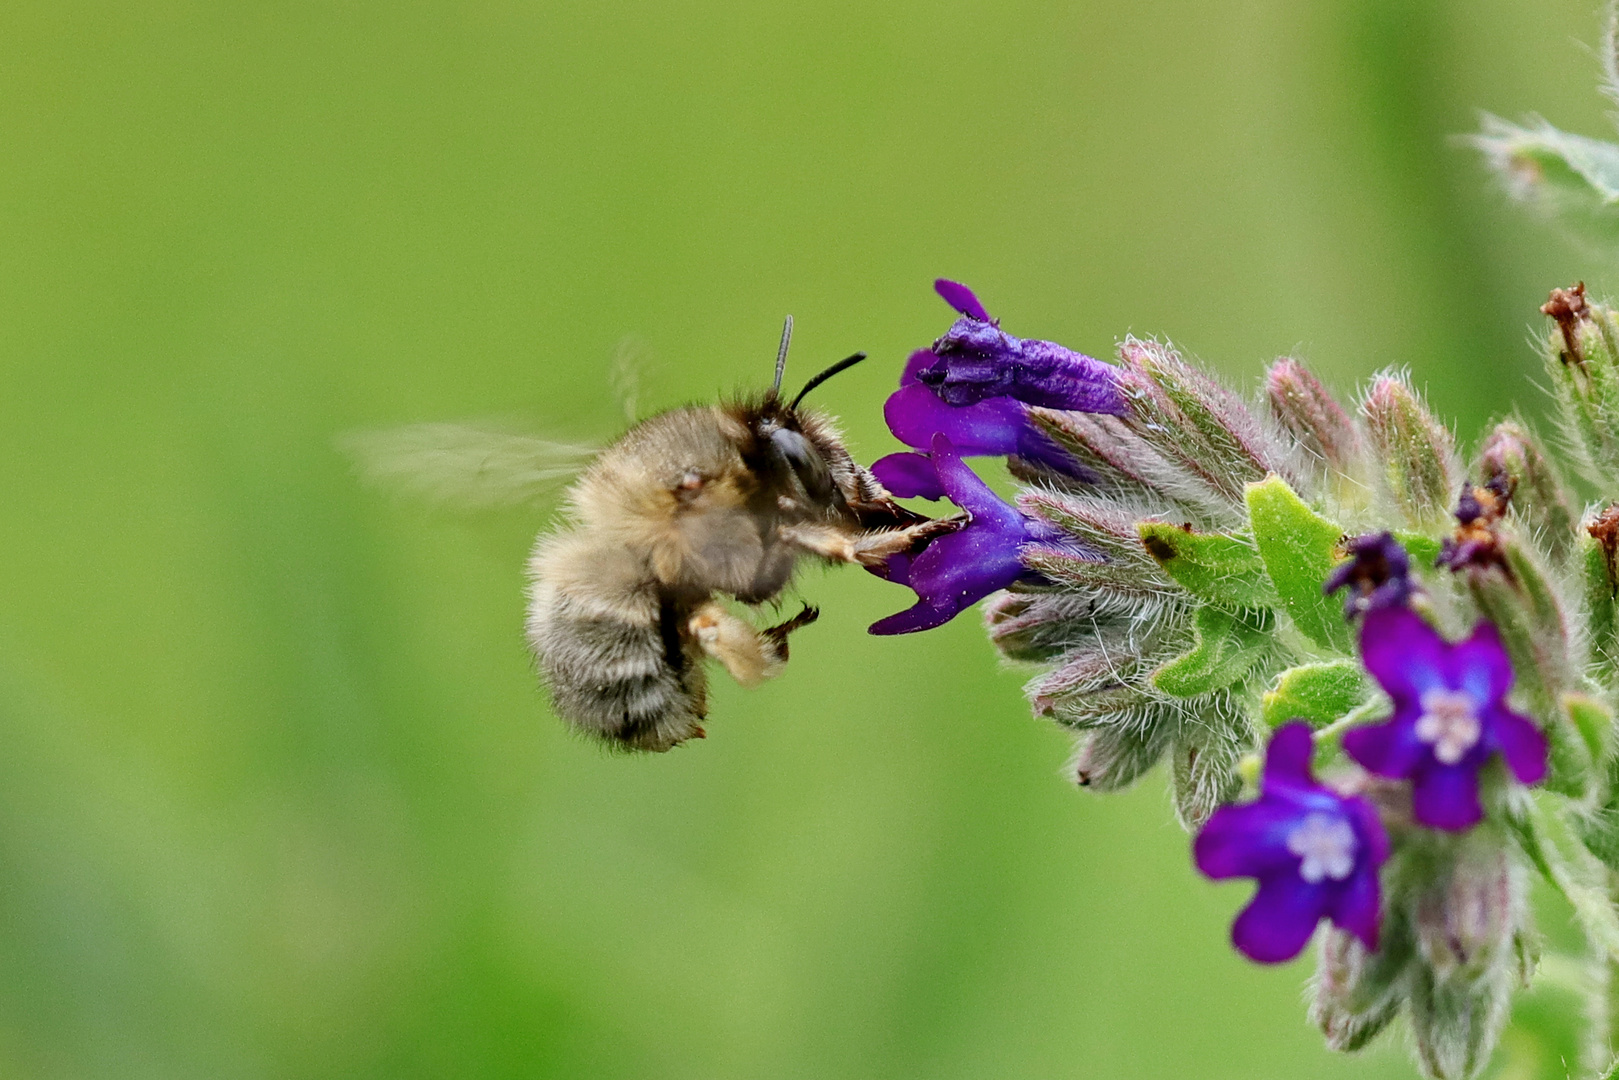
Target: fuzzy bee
688, 508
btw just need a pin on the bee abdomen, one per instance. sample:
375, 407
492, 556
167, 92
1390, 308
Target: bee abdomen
613, 679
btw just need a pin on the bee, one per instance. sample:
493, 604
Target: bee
688, 509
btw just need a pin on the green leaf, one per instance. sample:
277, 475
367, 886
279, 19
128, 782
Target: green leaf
1315, 693
1297, 546
1218, 567
1228, 646
1594, 721
1423, 549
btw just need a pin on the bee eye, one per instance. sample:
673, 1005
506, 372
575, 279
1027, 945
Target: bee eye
793, 450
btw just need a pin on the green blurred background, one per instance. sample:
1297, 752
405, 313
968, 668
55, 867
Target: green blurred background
278, 794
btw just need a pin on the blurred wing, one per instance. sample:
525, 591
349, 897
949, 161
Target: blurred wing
630, 358
464, 467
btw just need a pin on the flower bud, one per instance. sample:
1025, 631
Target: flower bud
1302, 405
1455, 1025
1599, 561
1518, 595
1102, 526
1194, 421
1466, 917
1467, 903
1113, 758
1515, 465
1582, 364
1104, 447
1416, 451
1205, 759
1358, 991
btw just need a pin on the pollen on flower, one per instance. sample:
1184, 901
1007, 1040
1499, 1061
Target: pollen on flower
1449, 723
1325, 844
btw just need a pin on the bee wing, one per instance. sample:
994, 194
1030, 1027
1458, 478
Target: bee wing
630, 357
465, 467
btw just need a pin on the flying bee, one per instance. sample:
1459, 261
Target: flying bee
689, 507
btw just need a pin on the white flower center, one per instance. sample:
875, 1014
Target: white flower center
1326, 844
1449, 723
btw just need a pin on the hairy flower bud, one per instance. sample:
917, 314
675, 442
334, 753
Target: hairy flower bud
1582, 364
1113, 758
1416, 451
1465, 918
1204, 775
1357, 991
1599, 562
1192, 420
1520, 597
1515, 464
1302, 405
1468, 909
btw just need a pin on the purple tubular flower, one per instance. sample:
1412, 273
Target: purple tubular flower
1315, 854
977, 385
957, 570
1378, 574
1450, 716
994, 427
975, 360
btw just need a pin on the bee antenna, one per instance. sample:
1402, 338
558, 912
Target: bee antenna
842, 365
781, 354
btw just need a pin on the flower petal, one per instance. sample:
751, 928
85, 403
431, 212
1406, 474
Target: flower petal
1368, 830
969, 492
1403, 653
1480, 665
1358, 903
908, 476
1446, 797
1278, 922
1389, 749
1523, 745
1287, 759
921, 358
992, 427
918, 617
959, 569
978, 360
961, 298
1246, 841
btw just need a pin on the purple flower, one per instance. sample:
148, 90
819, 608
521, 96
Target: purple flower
977, 384
1450, 716
957, 570
975, 360
1378, 573
1314, 852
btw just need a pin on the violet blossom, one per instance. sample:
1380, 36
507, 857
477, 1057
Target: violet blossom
1378, 574
1450, 716
1314, 852
957, 570
977, 384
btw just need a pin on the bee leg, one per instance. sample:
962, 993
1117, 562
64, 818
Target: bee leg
777, 635
750, 656
869, 548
